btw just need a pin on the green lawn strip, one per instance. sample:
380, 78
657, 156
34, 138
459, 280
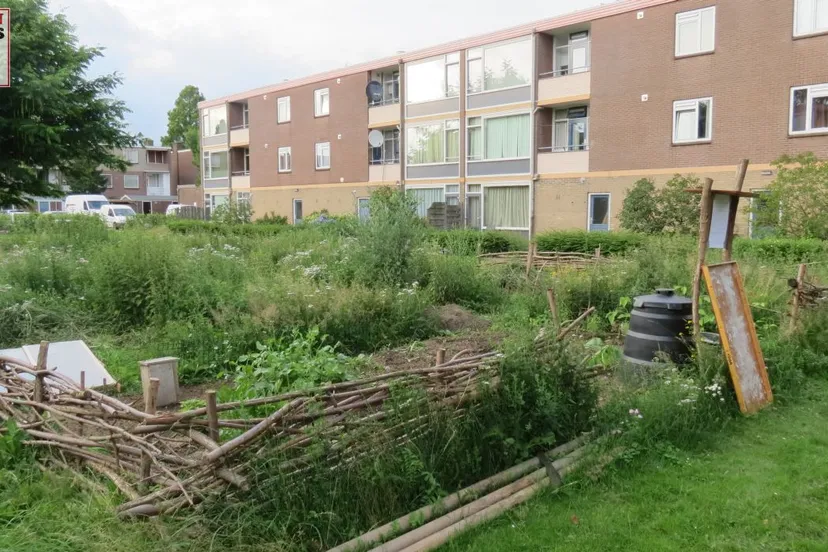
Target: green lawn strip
763, 487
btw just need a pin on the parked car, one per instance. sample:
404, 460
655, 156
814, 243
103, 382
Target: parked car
174, 208
89, 204
116, 216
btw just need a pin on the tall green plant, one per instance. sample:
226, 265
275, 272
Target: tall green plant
671, 209
640, 212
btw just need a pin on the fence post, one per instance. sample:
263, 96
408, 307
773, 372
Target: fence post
212, 415
800, 279
42, 355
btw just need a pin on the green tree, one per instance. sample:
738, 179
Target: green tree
53, 116
639, 212
182, 121
796, 204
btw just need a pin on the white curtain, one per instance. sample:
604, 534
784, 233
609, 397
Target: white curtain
507, 137
425, 197
506, 207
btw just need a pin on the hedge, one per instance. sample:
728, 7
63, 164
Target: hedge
189, 226
783, 249
581, 241
474, 242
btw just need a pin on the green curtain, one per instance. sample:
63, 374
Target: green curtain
453, 145
425, 144
507, 137
506, 207
218, 165
475, 143
425, 197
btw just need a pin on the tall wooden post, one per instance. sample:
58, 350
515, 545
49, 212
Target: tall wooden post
705, 214
42, 356
212, 415
530, 258
441, 357
800, 279
151, 398
553, 308
727, 254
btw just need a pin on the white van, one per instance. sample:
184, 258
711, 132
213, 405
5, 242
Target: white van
116, 216
86, 204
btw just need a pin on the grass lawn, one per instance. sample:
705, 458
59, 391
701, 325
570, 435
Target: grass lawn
763, 486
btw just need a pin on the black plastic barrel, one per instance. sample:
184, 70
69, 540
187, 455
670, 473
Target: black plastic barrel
659, 324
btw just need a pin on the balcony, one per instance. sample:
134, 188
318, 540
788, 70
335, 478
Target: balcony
386, 172
240, 180
384, 113
561, 162
239, 136
563, 147
570, 79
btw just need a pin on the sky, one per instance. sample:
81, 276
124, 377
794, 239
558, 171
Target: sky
160, 46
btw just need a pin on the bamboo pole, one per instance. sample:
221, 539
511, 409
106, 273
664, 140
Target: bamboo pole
800, 279
212, 415
741, 173
552, 299
705, 214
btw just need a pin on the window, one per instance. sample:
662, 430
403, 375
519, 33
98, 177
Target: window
498, 137
323, 155
426, 197
131, 182
283, 110
692, 120
43, 206
156, 157
499, 66
245, 115
246, 160
573, 55
218, 201
810, 17
321, 102
391, 87
363, 208
809, 109
155, 184
214, 121
696, 31
285, 164
506, 207
433, 79
243, 198
131, 156
108, 178
433, 143
452, 194
389, 152
297, 211
215, 165
571, 130
474, 214
599, 213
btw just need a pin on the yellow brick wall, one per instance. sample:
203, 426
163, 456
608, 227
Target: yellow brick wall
337, 199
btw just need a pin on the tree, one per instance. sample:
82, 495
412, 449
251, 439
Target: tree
182, 121
669, 210
796, 204
639, 212
53, 116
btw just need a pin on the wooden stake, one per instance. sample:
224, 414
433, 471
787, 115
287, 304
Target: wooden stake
553, 307
727, 254
150, 401
530, 258
212, 415
42, 356
441, 357
705, 213
598, 252
800, 279
146, 465
83, 380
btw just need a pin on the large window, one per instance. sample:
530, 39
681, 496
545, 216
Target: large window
573, 54
506, 207
156, 157
433, 79
131, 156
809, 109
321, 102
389, 151
426, 197
810, 17
215, 165
243, 198
285, 162
500, 66
433, 143
498, 137
131, 182
214, 120
692, 120
283, 110
571, 131
598, 217
323, 155
696, 31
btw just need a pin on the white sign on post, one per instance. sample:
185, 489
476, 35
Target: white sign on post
5, 48
718, 221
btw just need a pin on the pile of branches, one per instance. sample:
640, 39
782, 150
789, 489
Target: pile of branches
164, 462
542, 259
808, 293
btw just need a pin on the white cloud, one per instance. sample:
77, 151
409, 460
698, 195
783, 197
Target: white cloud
224, 47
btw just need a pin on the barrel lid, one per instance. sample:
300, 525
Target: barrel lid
663, 298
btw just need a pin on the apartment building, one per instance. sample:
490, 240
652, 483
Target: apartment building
152, 179
541, 126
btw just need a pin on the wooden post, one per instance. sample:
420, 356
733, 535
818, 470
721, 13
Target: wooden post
42, 356
212, 415
530, 258
800, 279
727, 254
83, 380
146, 465
150, 399
705, 214
598, 252
441, 357
553, 307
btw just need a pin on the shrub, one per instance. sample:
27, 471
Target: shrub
188, 226
640, 210
147, 221
671, 209
476, 242
462, 280
781, 249
271, 218
581, 241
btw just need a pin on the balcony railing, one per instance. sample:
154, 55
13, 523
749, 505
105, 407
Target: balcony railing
241, 173
385, 100
571, 59
385, 160
564, 135
240, 127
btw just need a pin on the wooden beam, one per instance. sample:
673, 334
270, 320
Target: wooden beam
727, 254
705, 213
212, 415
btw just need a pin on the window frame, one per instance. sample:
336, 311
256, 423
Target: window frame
279, 152
446, 63
318, 104
812, 32
246, 160
481, 57
208, 166
286, 103
676, 108
316, 156
245, 115
205, 126
822, 92
482, 194
359, 203
483, 118
131, 153
590, 196
445, 160
695, 13
297, 201
110, 181
385, 159
137, 185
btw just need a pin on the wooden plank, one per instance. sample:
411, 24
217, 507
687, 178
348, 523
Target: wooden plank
705, 212
738, 335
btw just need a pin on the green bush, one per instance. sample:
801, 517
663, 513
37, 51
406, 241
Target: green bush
581, 241
670, 209
780, 249
477, 242
147, 221
190, 226
79, 231
461, 280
